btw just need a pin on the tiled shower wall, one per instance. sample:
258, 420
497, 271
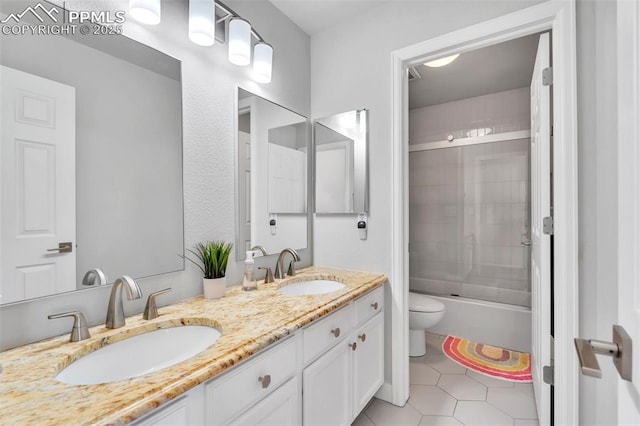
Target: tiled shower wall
469, 206
495, 113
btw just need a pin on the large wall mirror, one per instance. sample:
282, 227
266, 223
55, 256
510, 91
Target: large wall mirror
91, 156
272, 176
341, 163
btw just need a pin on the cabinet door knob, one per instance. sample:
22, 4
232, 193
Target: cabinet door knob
375, 306
336, 332
265, 380
353, 346
363, 336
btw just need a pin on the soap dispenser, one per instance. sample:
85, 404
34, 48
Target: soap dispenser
249, 281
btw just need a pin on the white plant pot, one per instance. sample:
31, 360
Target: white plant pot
214, 288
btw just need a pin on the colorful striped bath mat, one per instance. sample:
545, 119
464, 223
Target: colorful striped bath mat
489, 360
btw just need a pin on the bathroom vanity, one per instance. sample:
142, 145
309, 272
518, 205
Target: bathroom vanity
285, 359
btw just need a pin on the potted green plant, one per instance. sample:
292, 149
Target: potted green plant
211, 258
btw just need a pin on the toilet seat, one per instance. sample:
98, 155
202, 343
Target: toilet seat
423, 303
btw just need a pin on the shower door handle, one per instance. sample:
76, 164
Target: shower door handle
526, 243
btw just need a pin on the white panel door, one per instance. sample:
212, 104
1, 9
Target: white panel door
541, 243
629, 202
287, 179
38, 186
368, 362
334, 177
326, 388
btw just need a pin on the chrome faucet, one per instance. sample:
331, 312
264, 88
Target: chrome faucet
94, 277
115, 310
279, 274
261, 249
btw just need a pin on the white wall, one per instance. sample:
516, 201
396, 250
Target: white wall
351, 69
209, 82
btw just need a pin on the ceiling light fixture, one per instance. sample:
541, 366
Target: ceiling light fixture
202, 22
442, 61
145, 11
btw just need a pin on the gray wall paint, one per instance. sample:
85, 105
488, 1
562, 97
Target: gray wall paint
351, 69
209, 82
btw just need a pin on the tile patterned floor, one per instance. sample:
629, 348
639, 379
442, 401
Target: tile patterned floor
444, 393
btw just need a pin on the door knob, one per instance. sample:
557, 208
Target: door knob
620, 349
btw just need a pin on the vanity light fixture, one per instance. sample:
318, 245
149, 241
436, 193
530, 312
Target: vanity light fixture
262, 62
442, 61
145, 11
202, 31
239, 41
202, 22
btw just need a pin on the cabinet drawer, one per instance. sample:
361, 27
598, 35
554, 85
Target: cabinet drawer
232, 394
281, 407
328, 331
369, 305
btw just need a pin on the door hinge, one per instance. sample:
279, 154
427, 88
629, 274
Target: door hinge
548, 370
547, 76
547, 225
547, 374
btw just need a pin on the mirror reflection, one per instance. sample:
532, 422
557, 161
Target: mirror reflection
341, 163
91, 156
272, 176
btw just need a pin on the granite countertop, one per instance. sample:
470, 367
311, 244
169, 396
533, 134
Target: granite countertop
248, 321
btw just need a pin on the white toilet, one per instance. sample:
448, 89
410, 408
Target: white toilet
424, 313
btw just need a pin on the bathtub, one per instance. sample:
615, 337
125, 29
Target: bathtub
497, 324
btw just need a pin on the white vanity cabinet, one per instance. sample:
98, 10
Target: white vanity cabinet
324, 374
368, 362
326, 388
340, 382
240, 389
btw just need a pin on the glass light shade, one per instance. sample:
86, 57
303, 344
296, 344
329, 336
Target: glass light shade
262, 62
442, 61
239, 41
202, 22
145, 11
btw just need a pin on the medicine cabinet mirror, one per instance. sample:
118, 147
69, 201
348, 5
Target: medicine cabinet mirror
91, 156
272, 164
341, 164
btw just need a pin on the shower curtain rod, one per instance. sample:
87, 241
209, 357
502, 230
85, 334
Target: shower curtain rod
474, 140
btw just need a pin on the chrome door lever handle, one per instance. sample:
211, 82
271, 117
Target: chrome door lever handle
66, 247
620, 349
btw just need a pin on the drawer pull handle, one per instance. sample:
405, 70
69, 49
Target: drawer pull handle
353, 346
265, 380
375, 306
336, 332
363, 337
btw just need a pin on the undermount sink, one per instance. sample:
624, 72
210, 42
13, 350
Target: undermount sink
139, 355
311, 287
